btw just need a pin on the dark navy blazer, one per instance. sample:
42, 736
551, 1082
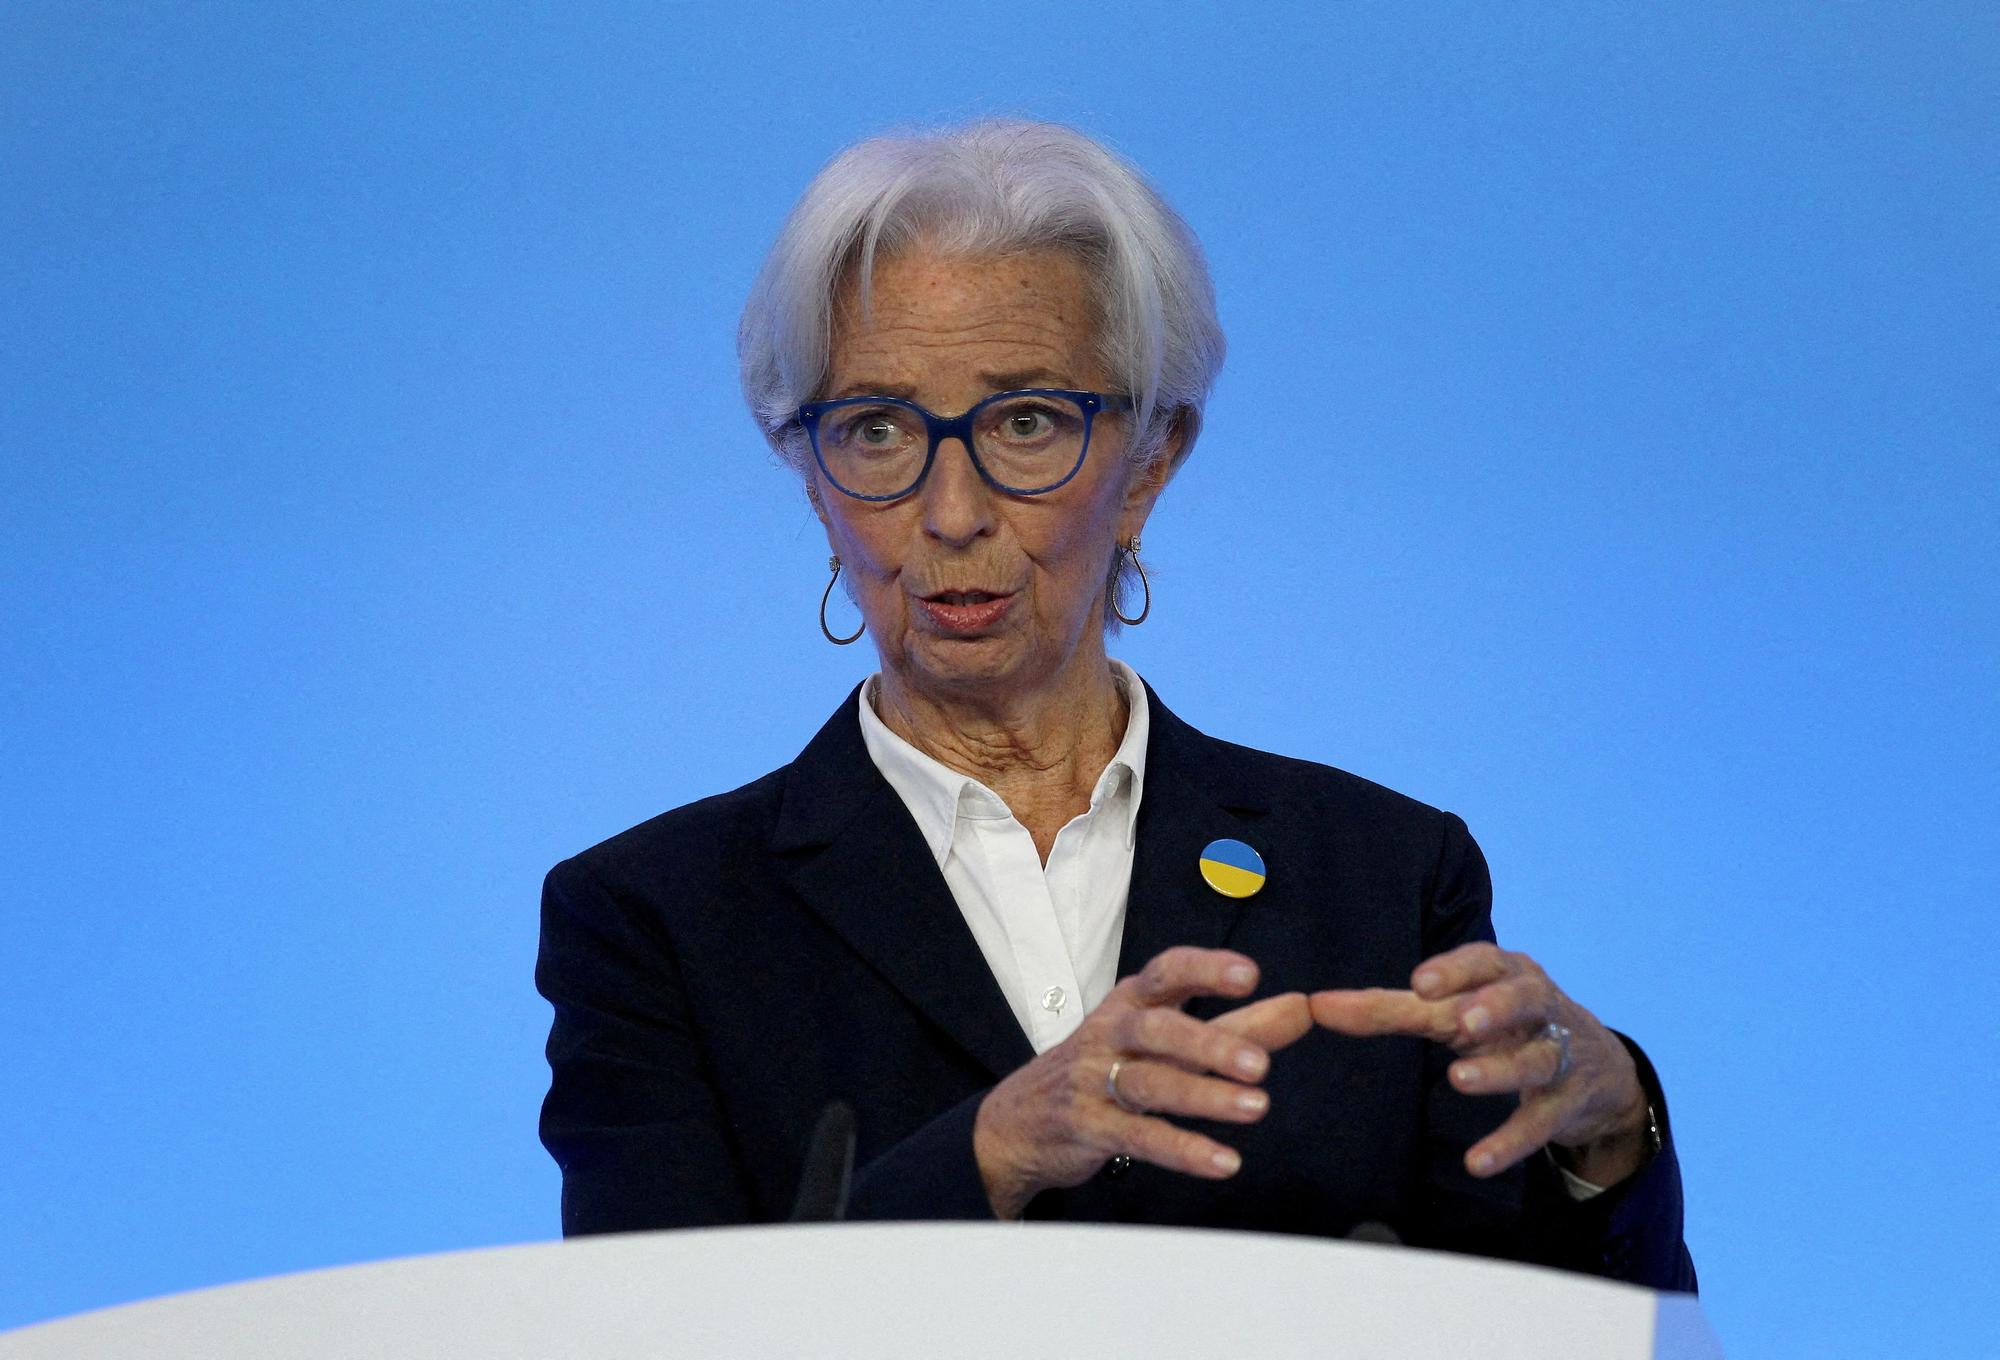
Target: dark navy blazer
723, 971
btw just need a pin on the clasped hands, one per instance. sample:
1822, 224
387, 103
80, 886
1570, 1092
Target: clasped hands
1054, 1121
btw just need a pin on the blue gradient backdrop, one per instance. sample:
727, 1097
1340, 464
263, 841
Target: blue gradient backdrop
1607, 452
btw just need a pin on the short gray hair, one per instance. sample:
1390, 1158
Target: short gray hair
995, 186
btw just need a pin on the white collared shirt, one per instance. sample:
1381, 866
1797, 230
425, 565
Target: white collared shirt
1049, 933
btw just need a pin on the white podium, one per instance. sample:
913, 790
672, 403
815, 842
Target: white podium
887, 1291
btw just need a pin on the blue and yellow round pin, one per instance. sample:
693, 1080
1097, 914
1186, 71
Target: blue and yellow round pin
1232, 868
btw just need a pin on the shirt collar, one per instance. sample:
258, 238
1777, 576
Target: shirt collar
939, 796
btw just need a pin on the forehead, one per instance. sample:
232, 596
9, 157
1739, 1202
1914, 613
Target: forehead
934, 319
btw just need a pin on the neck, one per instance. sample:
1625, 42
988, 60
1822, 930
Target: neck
1041, 750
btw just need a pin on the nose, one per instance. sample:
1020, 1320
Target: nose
957, 502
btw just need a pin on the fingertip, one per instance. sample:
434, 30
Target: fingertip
1427, 983
1336, 1008
1251, 1062
1238, 970
1297, 1020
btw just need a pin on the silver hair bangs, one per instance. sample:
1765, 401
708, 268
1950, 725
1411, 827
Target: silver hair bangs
990, 187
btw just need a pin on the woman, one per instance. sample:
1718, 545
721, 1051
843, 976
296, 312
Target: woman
985, 351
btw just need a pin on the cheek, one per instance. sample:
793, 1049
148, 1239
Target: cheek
1095, 525
1076, 547
874, 552
865, 540
867, 567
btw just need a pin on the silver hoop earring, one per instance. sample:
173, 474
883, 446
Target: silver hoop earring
833, 565
1131, 551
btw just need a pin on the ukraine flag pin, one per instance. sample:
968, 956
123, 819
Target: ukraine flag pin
1232, 868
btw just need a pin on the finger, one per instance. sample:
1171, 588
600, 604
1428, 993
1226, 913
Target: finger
1523, 1068
1162, 1032
1455, 970
1184, 971
1522, 1002
1158, 1088
1377, 1010
1528, 1130
1175, 1148
1273, 1023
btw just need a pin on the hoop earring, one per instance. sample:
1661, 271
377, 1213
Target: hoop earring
1131, 551
833, 565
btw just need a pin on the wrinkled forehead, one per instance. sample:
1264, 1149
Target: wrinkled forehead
919, 312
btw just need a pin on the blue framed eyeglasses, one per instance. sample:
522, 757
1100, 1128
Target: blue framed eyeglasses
1023, 443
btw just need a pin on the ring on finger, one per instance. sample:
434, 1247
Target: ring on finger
1559, 1036
1117, 1096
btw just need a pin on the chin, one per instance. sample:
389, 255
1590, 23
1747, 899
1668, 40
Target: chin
965, 663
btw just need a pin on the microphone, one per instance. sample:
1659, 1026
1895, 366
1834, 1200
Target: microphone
1370, 1230
829, 1167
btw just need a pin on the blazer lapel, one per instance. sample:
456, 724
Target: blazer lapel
854, 855
1195, 792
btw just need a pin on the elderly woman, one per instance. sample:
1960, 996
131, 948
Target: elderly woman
1065, 956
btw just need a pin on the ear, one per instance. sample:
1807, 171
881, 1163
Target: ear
1146, 483
1141, 492
816, 498
813, 499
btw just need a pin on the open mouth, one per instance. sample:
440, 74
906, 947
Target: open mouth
966, 612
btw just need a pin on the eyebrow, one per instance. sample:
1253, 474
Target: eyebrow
874, 389
998, 382
1022, 377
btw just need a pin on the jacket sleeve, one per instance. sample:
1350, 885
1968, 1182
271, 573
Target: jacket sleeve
931, 1174
1631, 1232
630, 1117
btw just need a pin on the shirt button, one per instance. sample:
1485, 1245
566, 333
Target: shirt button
1052, 1000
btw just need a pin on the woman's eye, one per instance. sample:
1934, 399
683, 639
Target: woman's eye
870, 430
1027, 425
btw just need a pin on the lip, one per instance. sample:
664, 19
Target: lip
965, 620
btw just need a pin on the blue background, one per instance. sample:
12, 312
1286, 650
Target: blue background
1607, 452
